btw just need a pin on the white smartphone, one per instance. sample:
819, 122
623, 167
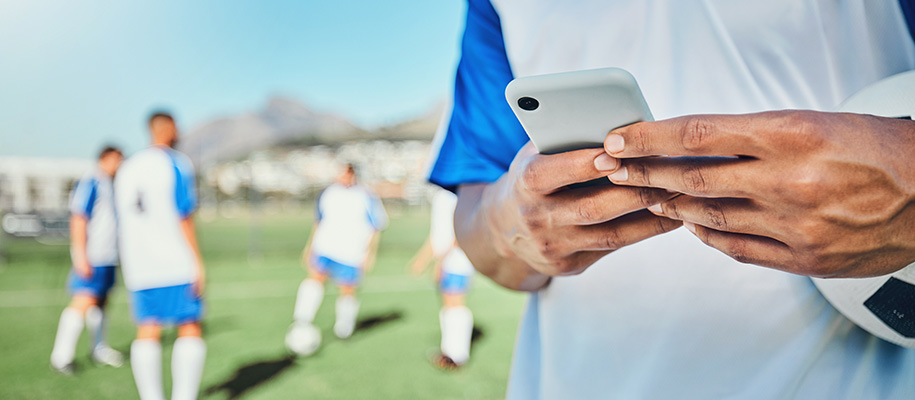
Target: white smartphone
576, 110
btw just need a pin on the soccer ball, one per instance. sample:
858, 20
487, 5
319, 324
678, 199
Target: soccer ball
303, 339
884, 305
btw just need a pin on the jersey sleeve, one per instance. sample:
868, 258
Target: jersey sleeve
481, 137
185, 186
83, 199
377, 216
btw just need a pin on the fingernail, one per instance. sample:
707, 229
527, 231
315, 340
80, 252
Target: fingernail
604, 162
690, 226
614, 144
620, 175
656, 209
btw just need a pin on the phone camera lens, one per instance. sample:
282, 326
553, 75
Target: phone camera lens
528, 103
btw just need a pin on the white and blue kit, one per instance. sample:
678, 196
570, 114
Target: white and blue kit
155, 191
670, 317
93, 199
347, 217
456, 269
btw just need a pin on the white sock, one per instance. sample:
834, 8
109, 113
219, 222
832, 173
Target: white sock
457, 329
347, 310
68, 330
188, 358
95, 321
311, 293
146, 362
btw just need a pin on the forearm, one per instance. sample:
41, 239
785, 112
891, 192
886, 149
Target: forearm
78, 237
190, 234
476, 236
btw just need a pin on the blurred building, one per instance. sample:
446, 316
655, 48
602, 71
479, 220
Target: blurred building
38, 184
394, 169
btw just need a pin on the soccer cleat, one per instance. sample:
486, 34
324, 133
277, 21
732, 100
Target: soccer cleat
66, 370
444, 362
105, 355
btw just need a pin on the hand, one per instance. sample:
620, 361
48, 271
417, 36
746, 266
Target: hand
82, 268
199, 285
537, 218
811, 193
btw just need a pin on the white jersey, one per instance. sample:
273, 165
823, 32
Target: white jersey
155, 191
347, 218
93, 198
669, 317
441, 235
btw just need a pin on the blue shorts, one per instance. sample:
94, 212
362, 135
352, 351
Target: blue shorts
344, 275
98, 285
454, 283
166, 305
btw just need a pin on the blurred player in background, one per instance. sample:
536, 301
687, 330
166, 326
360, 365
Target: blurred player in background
343, 245
452, 272
155, 199
94, 252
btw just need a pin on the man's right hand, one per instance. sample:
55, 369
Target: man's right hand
530, 224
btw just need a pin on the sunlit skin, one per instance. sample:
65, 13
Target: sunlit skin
82, 301
164, 133
813, 193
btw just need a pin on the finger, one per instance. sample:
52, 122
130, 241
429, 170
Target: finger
695, 135
749, 249
623, 231
594, 205
696, 176
725, 215
546, 173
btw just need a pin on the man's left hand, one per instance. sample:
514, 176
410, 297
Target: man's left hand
811, 193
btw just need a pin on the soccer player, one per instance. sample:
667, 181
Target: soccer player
94, 252
453, 272
343, 245
631, 297
155, 199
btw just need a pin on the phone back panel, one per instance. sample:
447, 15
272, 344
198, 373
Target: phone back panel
577, 109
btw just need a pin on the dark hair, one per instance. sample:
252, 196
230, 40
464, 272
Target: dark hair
160, 114
350, 168
108, 150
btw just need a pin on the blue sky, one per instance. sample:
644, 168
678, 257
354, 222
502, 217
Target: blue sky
75, 74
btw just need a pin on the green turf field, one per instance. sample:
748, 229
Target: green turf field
249, 307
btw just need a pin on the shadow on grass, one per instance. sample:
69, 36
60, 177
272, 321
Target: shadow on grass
372, 322
250, 376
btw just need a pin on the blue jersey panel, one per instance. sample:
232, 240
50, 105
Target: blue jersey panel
185, 185
483, 134
84, 197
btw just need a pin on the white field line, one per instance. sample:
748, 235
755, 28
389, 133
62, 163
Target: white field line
224, 291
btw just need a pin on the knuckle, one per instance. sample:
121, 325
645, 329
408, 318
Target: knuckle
645, 196
531, 178
696, 133
587, 210
807, 129
531, 218
694, 178
714, 216
547, 249
612, 240
738, 250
